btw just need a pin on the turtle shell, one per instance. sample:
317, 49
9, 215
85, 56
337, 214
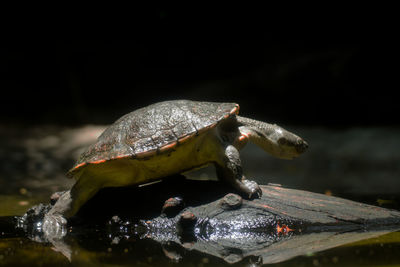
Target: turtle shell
154, 129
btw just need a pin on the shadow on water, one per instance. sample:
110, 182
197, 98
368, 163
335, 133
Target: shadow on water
98, 238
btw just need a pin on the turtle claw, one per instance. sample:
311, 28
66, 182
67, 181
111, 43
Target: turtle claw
254, 188
55, 196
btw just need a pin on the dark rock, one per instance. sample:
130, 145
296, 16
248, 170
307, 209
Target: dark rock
231, 201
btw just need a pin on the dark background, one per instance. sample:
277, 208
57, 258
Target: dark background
331, 74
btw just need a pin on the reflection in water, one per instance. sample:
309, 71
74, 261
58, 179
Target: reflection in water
253, 232
133, 245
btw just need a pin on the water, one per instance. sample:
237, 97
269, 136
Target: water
349, 163
94, 248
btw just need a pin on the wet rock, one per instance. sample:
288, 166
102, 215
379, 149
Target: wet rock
172, 206
231, 201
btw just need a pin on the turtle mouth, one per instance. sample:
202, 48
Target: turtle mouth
294, 150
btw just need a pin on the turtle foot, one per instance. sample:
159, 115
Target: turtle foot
254, 188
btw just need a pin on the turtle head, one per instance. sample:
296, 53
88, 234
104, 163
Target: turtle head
280, 142
285, 144
274, 139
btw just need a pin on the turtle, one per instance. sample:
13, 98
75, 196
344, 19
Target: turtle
172, 137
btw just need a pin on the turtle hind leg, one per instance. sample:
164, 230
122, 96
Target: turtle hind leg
229, 169
69, 203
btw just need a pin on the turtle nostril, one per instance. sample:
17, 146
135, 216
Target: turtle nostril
301, 146
305, 144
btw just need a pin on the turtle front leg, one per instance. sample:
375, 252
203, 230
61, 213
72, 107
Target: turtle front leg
229, 169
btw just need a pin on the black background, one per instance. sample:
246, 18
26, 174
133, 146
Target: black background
335, 71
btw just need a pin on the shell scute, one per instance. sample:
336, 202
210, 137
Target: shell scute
143, 145
163, 137
182, 129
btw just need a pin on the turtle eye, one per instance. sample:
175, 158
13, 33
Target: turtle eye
282, 141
